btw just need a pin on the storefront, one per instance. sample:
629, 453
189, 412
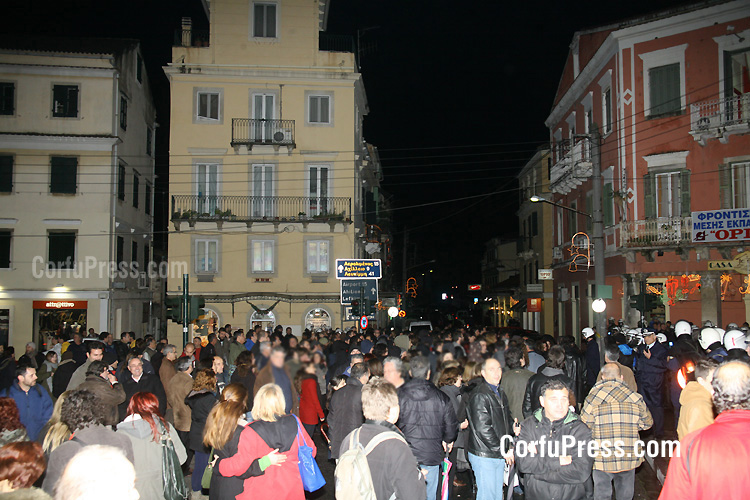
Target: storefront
64, 317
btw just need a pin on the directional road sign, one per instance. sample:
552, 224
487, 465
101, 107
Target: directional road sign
348, 269
350, 291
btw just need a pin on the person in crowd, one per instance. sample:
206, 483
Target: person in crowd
83, 415
612, 355
319, 360
712, 463
310, 411
615, 413
555, 427
189, 352
34, 403
209, 350
236, 347
89, 476
514, 381
11, 428
219, 369
244, 372
64, 372
56, 432
393, 371
146, 427
158, 357
345, 407
710, 340
122, 346
150, 350
136, 380
575, 367
31, 357
21, 465
428, 420
276, 373
54, 343
554, 368
7, 367
536, 360
178, 389
47, 370
94, 352
696, 402
375, 366
274, 430
101, 382
488, 412
334, 385
651, 364
593, 361
450, 382
737, 345
201, 400
166, 368
263, 355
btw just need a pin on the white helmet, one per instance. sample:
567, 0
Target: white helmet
661, 338
735, 339
720, 330
587, 332
682, 327
732, 326
708, 323
709, 336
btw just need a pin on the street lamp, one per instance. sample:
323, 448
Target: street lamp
537, 199
599, 305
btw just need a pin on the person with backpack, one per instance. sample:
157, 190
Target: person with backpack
375, 461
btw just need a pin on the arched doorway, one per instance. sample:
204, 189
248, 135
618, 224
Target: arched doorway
205, 324
266, 321
317, 318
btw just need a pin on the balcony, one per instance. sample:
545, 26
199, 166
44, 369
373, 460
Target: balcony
249, 209
720, 118
573, 165
655, 233
335, 43
249, 132
191, 38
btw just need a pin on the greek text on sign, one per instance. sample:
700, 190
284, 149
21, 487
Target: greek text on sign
544, 274
721, 225
350, 291
347, 269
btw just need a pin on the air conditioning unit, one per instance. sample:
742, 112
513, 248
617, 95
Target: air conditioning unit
142, 281
282, 136
557, 253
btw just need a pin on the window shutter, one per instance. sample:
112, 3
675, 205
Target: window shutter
649, 201
725, 186
685, 193
607, 206
6, 174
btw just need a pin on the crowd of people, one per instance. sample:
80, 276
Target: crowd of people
421, 413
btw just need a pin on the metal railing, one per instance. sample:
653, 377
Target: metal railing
191, 38
707, 116
251, 132
336, 43
661, 231
573, 164
261, 208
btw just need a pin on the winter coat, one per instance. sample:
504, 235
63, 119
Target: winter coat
248, 381
593, 361
650, 373
147, 454
166, 372
265, 376
575, 369
179, 388
696, 411
456, 397
27, 494
544, 477
536, 361
394, 470
627, 376
281, 482
147, 383
514, 384
61, 378
110, 397
44, 375
79, 376
344, 413
489, 420
235, 349
201, 403
34, 407
534, 386
229, 487
94, 434
310, 411
208, 352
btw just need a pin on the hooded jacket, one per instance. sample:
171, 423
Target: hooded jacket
697, 409
534, 386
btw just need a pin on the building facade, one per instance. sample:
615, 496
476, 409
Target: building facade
500, 283
76, 179
270, 178
668, 94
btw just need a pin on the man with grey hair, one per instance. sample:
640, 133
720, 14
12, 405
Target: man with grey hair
612, 355
177, 390
167, 369
712, 461
31, 358
264, 353
136, 380
393, 371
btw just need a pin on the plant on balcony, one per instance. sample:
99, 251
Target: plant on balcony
187, 214
224, 214
333, 216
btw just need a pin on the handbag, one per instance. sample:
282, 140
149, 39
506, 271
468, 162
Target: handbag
312, 477
171, 469
208, 472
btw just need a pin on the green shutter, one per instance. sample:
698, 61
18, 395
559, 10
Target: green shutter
685, 193
725, 186
607, 206
649, 200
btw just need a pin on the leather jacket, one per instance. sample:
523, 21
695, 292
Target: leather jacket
489, 420
534, 386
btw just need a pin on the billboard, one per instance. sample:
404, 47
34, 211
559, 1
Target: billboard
721, 225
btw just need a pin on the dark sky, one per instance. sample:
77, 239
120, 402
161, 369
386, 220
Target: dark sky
458, 95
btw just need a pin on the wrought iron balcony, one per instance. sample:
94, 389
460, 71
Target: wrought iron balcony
191, 38
197, 208
573, 165
251, 132
336, 43
720, 118
658, 232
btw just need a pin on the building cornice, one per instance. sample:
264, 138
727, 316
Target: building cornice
57, 142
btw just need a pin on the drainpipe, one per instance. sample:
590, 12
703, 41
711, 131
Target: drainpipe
112, 193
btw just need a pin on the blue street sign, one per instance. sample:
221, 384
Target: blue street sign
347, 269
350, 291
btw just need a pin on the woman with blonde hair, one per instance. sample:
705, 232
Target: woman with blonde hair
56, 432
273, 430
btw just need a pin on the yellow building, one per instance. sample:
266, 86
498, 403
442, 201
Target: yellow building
269, 172
76, 187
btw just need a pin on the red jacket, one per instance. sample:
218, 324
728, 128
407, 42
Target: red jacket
713, 461
310, 411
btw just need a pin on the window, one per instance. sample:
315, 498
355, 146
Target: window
120, 251
61, 249
136, 188
208, 105
147, 201
667, 194
6, 174
320, 109
5, 240
149, 141
63, 174
573, 219
146, 256
264, 20
65, 101
7, 98
207, 187
607, 110
534, 224
664, 89
317, 256
134, 254
667, 190
734, 180
139, 67
262, 256
206, 256
608, 204
121, 182
318, 189
123, 112
263, 190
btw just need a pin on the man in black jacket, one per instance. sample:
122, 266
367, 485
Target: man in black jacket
551, 450
489, 441
138, 381
345, 408
553, 368
427, 420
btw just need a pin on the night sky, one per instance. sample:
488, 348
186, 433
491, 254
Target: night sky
458, 95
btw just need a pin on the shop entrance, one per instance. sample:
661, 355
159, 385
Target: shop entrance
64, 317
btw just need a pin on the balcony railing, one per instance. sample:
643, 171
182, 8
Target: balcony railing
573, 165
191, 38
658, 232
257, 132
191, 208
336, 43
720, 118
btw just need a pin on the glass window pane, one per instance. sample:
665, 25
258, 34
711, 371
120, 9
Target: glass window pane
270, 21
314, 103
200, 255
268, 256
312, 256
323, 256
214, 106
258, 20
212, 255
257, 246
203, 105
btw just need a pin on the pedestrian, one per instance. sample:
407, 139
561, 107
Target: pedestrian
145, 426
177, 390
612, 355
122, 346
575, 367
107, 389
593, 361
244, 372
61, 377
451, 382
236, 347
31, 357
393, 371
136, 380
89, 476
651, 364
712, 463
737, 345
345, 407
34, 403
94, 352
201, 400
536, 360
310, 411
615, 413
56, 432
276, 373
166, 366
208, 351
697, 409
553, 368
11, 428
515, 379
21, 465
47, 370
710, 340
219, 368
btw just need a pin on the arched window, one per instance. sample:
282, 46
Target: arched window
207, 323
317, 318
265, 321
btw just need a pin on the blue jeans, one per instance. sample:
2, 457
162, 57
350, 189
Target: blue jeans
201, 461
433, 475
489, 476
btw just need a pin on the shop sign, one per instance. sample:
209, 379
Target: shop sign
721, 225
60, 304
534, 305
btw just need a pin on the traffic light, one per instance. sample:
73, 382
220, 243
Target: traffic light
356, 310
195, 307
643, 302
368, 308
174, 308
